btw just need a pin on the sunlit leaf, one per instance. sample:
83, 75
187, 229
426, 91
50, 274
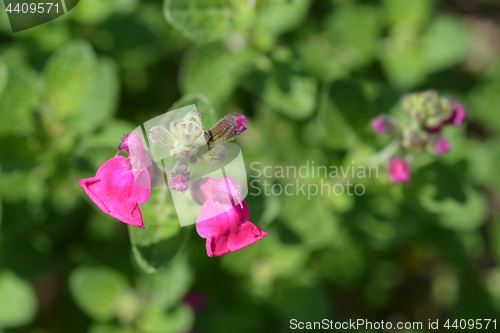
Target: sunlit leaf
18, 305
68, 77
96, 290
208, 20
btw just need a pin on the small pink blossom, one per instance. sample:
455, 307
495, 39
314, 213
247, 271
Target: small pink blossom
241, 121
458, 116
383, 124
439, 144
222, 221
122, 183
399, 170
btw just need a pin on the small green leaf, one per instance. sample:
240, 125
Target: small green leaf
349, 99
278, 17
213, 71
156, 245
4, 74
208, 20
286, 90
69, 76
96, 290
19, 99
355, 30
98, 328
409, 14
154, 320
446, 43
102, 99
203, 106
96, 11
18, 304
168, 286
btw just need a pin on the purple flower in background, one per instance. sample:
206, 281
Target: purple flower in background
458, 116
196, 301
383, 124
399, 170
438, 144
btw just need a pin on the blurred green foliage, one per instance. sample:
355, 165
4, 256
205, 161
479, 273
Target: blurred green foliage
309, 75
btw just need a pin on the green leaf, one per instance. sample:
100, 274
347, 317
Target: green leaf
349, 99
213, 71
69, 75
4, 74
446, 43
19, 99
101, 102
355, 29
286, 90
96, 11
96, 290
98, 328
18, 304
321, 58
208, 20
203, 105
156, 245
495, 239
154, 320
403, 61
408, 14
168, 286
278, 17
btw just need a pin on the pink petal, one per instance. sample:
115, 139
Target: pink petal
139, 156
241, 121
115, 191
226, 227
399, 171
458, 116
202, 189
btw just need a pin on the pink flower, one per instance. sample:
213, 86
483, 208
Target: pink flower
458, 116
399, 170
383, 124
122, 183
241, 121
224, 218
439, 144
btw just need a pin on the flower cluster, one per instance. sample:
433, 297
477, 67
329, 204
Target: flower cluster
190, 142
427, 114
122, 183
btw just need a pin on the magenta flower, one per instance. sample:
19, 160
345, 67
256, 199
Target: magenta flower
438, 144
241, 121
383, 124
122, 183
224, 218
399, 170
458, 116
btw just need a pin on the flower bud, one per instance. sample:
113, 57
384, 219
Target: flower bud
399, 170
241, 121
213, 155
458, 115
189, 130
414, 137
179, 178
161, 137
384, 124
438, 144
